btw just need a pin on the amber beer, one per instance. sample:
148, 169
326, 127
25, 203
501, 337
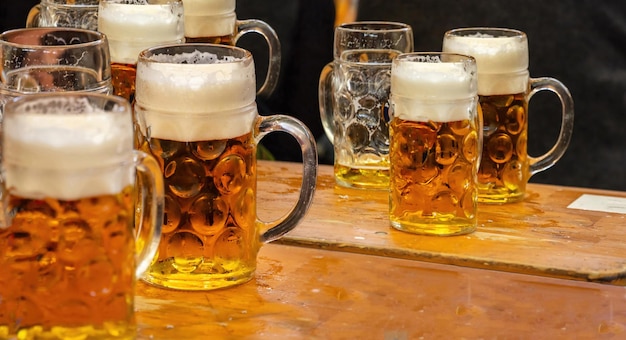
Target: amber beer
504, 89
67, 251
434, 144
132, 26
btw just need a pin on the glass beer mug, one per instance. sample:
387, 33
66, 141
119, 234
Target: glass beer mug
504, 90
353, 100
215, 22
64, 13
435, 140
52, 60
196, 111
133, 26
67, 240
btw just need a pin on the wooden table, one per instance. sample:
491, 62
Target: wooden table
345, 274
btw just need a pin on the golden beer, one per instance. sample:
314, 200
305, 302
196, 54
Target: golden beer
223, 40
210, 232
123, 80
432, 167
69, 268
503, 171
434, 144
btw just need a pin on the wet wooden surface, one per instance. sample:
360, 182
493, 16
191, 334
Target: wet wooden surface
308, 293
539, 236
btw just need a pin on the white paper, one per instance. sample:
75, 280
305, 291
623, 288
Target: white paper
600, 203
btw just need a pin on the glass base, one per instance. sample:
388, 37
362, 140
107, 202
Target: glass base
107, 331
433, 227
500, 197
373, 178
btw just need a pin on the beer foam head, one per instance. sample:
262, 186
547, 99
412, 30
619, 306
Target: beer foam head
66, 147
501, 56
132, 26
209, 18
196, 94
427, 88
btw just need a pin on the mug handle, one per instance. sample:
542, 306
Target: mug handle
149, 211
297, 129
273, 69
545, 161
325, 98
32, 20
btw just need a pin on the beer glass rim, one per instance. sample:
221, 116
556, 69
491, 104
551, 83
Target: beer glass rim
487, 31
455, 57
121, 105
173, 49
374, 26
94, 37
72, 3
123, 2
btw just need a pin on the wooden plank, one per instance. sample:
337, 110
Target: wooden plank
307, 293
538, 236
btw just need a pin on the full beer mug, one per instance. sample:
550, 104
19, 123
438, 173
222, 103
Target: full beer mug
215, 22
133, 26
353, 100
435, 134
195, 107
52, 60
504, 90
64, 13
67, 244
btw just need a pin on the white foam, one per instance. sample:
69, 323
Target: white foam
193, 102
502, 61
132, 28
67, 156
209, 18
432, 91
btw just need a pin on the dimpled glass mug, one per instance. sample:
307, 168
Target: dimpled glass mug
504, 90
64, 13
196, 111
50, 59
67, 240
435, 134
215, 22
353, 100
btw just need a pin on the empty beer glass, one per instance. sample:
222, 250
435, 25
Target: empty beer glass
64, 13
353, 100
435, 135
504, 90
132, 26
52, 60
67, 240
215, 21
195, 107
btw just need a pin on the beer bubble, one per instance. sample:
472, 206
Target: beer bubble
459, 177
358, 135
447, 149
490, 119
521, 146
163, 148
184, 248
461, 127
208, 150
500, 148
185, 177
515, 119
172, 215
208, 214
229, 174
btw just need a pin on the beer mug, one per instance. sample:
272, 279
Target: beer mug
353, 100
64, 13
53, 59
504, 90
67, 244
133, 26
435, 134
195, 107
215, 21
